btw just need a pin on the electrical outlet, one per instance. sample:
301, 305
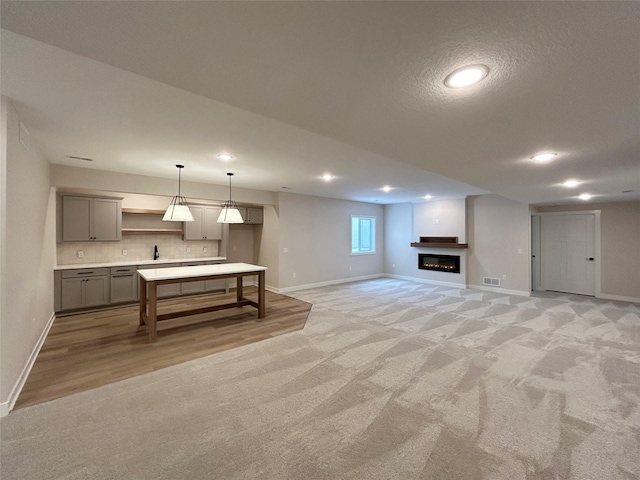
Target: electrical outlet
205, 249
294, 275
504, 277
124, 252
188, 249
80, 253
436, 221
285, 249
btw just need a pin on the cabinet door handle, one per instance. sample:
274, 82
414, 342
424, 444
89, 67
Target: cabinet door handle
85, 273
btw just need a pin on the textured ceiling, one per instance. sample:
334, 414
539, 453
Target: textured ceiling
358, 85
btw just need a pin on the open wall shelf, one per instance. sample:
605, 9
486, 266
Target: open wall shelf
439, 242
146, 221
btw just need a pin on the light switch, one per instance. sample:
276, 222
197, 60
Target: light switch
124, 252
205, 249
285, 250
188, 249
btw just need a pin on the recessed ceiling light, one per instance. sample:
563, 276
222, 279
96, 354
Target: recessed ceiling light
465, 76
571, 183
327, 177
225, 156
386, 189
585, 196
427, 197
543, 157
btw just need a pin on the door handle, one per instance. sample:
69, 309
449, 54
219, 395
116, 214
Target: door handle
591, 259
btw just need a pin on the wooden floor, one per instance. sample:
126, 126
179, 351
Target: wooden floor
88, 350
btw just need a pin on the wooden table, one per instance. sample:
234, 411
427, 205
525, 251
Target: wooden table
152, 277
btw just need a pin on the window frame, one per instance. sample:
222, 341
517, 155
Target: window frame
372, 236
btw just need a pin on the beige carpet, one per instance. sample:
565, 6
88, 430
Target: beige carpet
389, 380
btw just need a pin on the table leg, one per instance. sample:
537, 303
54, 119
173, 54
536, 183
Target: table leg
142, 286
239, 288
153, 312
261, 294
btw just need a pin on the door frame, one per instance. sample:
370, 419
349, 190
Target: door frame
597, 252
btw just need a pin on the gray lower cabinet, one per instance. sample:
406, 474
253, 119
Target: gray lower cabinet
216, 285
87, 287
97, 287
170, 289
193, 287
124, 284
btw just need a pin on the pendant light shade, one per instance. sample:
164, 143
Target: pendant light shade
230, 212
178, 210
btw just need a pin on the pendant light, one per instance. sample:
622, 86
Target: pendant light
230, 212
178, 210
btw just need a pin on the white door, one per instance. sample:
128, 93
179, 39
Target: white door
568, 253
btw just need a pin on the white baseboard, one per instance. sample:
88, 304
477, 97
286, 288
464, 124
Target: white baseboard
620, 298
506, 291
7, 406
424, 280
324, 284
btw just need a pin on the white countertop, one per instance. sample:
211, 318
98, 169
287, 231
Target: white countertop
153, 274
139, 262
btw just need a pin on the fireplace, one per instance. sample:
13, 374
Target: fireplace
439, 263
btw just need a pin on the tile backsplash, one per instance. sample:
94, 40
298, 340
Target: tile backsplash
138, 247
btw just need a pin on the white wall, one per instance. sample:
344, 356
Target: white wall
498, 231
406, 223
28, 246
316, 232
619, 247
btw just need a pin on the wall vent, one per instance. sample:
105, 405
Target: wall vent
494, 282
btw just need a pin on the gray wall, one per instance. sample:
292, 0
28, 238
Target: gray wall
63, 176
406, 223
496, 229
317, 235
269, 246
499, 236
28, 253
619, 246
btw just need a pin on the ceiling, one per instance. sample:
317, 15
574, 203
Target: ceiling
294, 90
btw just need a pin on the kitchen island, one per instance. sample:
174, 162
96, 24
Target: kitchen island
151, 278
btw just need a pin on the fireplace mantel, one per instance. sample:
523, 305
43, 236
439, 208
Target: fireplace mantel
439, 242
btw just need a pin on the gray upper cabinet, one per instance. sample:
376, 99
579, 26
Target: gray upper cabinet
205, 225
91, 219
253, 216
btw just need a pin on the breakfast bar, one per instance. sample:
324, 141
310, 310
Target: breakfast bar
152, 277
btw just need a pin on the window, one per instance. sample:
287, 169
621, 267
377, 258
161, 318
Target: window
363, 234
